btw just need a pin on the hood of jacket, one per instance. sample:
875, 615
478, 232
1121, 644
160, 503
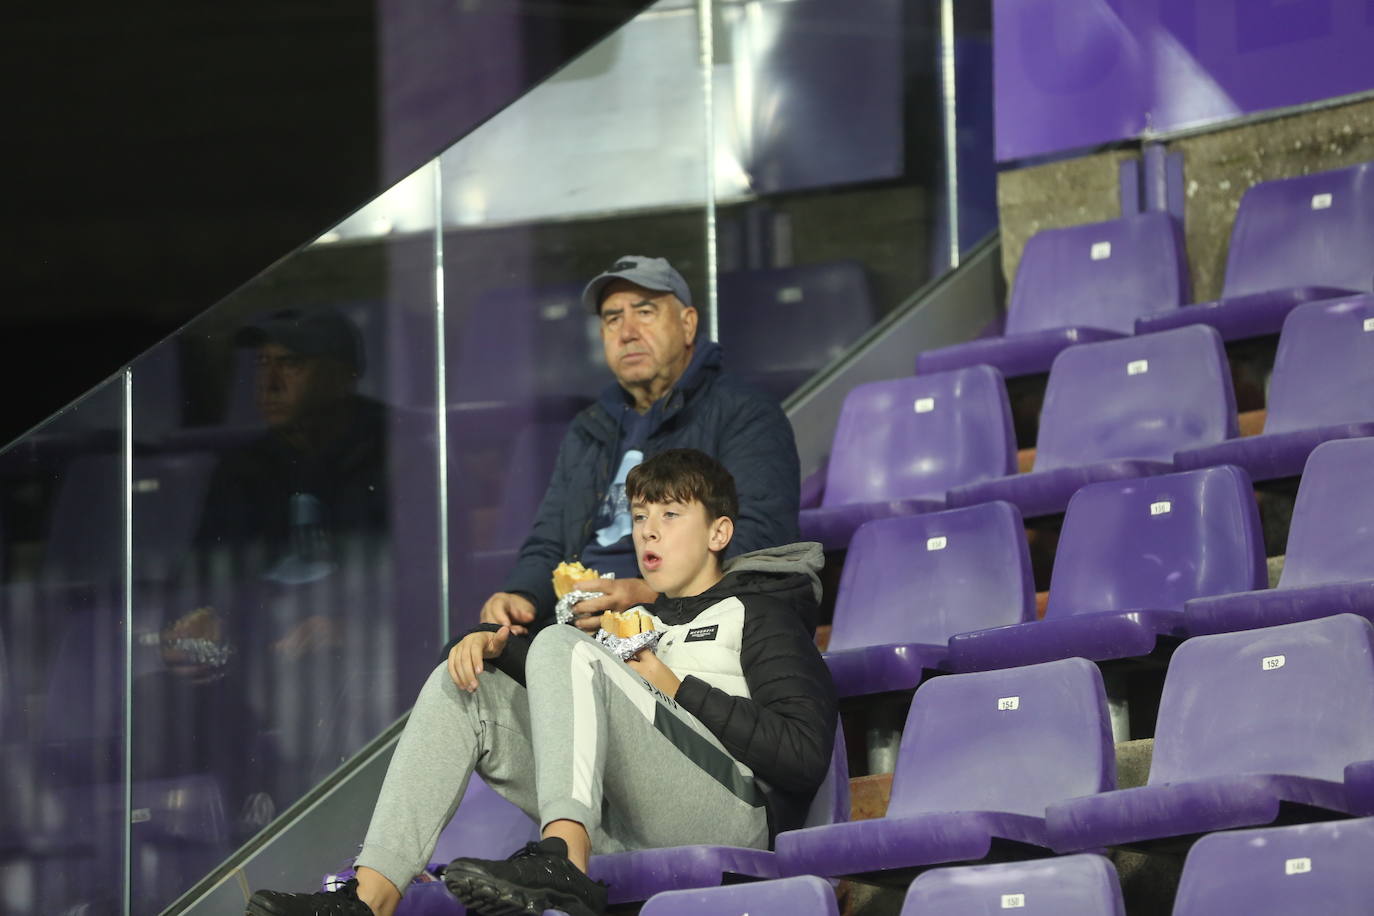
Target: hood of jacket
790, 573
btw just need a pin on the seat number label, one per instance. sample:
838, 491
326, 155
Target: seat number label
1007, 703
1273, 663
1321, 201
1369, 324
1013, 901
1101, 251
936, 543
1163, 507
1138, 367
925, 405
1297, 866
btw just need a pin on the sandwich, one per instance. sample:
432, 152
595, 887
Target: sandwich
627, 623
569, 573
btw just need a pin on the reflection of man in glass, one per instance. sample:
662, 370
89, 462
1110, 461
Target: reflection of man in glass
288, 516
319, 471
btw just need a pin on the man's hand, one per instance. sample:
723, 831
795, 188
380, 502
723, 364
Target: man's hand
311, 634
617, 595
508, 610
646, 665
465, 659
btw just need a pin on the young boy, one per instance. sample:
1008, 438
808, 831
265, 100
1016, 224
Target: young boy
720, 736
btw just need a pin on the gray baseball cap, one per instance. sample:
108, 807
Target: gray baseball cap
651, 273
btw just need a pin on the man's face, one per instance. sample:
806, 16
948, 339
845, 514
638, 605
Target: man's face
673, 543
288, 385
647, 336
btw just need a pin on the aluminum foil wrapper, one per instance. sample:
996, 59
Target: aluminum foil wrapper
206, 652
563, 610
627, 647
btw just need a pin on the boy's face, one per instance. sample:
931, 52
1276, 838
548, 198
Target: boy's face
674, 543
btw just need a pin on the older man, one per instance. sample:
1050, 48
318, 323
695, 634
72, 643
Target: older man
670, 392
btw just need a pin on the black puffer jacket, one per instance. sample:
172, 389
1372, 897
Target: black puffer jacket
708, 410
784, 727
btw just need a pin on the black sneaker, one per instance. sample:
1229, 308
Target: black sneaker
537, 878
342, 901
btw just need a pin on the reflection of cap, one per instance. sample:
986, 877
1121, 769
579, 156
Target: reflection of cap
314, 332
651, 273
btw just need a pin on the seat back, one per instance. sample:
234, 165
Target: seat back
1155, 542
1296, 699
920, 436
803, 896
1331, 538
1311, 230
923, 578
831, 803
780, 325
1014, 740
549, 346
1324, 369
1081, 885
1099, 275
1310, 868
1138, 397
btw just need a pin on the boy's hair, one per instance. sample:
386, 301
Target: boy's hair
684, 475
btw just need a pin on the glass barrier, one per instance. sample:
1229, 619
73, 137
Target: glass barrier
286, 561
830, 177
63, 813
975, 165
333, 468
602, 160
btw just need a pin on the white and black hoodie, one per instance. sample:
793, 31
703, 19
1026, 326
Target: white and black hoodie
745, 652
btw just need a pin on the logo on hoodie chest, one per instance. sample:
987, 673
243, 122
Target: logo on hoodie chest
702, 634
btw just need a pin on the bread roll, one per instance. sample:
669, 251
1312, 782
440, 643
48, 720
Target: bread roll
626, 623
568, 573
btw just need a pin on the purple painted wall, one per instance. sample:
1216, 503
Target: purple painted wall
1077, 73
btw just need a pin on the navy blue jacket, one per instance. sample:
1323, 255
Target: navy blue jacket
743, 428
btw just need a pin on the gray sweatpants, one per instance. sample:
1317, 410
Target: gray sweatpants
589, 740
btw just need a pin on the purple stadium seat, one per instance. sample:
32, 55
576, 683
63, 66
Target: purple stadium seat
1294, 240
1131, 553
1118, 409
801, 896
1077, 285
1308, 868
910, 583
982, 755
550, 347
1322, 389
1359, 787
1329, 567
780, 325
900, 444
640, 874
1253, 727
1082, 885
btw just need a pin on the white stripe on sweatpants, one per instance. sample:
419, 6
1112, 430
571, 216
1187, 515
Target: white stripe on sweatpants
584, 661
